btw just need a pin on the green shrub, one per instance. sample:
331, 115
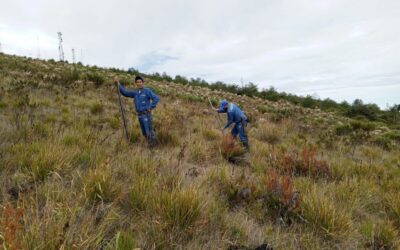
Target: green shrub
69, 76
96, 78
342, 130
262, 109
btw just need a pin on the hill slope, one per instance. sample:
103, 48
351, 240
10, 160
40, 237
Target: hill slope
68, 179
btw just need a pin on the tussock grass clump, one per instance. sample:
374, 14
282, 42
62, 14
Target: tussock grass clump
211, 134
83, 159
166, 129
39, 160
198, 152
181, 209
70, 140
141, 197
99, 185
321, 211
123, 240
269, 133
392, 201
379, 235
114, 122
97, 108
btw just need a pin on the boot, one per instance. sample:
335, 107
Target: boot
246, 146
151, 142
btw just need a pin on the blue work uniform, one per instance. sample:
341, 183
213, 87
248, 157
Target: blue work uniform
236, 116
144, 100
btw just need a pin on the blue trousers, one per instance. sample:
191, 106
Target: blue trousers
146, 126
238, 129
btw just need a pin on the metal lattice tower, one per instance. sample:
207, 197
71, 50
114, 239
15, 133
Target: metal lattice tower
60, 47
73, 56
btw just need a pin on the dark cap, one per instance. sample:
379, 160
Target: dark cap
138, 78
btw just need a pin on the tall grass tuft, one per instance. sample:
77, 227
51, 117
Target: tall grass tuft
99, 184
181, 208
323, 214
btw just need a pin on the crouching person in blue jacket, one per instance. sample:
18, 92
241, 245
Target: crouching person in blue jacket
237, 117
144, 101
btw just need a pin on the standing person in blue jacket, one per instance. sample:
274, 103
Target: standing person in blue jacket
144, 101
237, 117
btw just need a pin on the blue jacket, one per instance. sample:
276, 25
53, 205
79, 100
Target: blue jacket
142, 99
234, 114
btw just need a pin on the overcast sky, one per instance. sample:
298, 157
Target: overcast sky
329, 48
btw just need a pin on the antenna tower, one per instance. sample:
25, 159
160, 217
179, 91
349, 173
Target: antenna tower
60, 47
73, 56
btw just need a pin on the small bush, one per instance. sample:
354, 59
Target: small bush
69, 76
307, 164
10, 226
281, 196
262, 109
96, 78
383, 142
229, 148
342, 130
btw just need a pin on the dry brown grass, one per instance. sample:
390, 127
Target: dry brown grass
69, 180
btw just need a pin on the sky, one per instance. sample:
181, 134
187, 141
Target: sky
336, 49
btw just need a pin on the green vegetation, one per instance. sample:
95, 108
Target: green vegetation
69, 179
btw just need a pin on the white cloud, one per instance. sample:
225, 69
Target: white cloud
343, 49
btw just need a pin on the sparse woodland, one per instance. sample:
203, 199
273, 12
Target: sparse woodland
70, 180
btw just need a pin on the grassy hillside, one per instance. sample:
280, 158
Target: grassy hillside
313, 180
